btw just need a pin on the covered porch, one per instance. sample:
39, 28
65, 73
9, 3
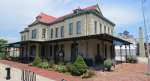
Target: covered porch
94, 49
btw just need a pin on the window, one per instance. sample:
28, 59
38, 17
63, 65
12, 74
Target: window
34, 34
78, 27
95, 26
104, 29
112, 31
108, 30
22, 38
56, 34
51, 33
70, 28
100, 27
43, 33
62, 31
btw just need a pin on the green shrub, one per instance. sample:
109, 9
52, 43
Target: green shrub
60, 68
88, 74
79, 67
44, 65
69, 67
36, 61
51, 64
108, 64
2, 56
131, 59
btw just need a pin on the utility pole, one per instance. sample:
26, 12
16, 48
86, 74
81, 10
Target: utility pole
146, 34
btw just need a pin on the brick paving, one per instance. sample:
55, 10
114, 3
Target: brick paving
122, 72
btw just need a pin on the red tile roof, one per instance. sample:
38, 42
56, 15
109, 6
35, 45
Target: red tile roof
44, 18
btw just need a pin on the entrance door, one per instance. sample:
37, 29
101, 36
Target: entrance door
74, 51
32, 53
43, 55
98, 56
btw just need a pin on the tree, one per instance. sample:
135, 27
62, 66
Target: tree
3, 44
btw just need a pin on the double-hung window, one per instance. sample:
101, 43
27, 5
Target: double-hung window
95, 27
51, 33
62, 31
108, 31
70, 28
78, 29
104, 29
34, 32
56, 33
100, 27
43, 33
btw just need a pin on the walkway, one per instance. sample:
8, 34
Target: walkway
122, 72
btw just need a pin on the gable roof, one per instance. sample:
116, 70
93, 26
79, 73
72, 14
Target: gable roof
43, 18
48, 20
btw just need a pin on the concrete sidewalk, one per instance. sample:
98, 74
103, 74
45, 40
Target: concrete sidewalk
16, 74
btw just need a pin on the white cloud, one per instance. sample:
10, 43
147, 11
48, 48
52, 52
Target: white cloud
121, 15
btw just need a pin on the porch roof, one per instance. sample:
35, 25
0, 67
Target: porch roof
106, 37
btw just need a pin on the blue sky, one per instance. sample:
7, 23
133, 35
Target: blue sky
15, 15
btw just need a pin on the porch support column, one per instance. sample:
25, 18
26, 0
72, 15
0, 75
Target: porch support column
129, 50
28, 52
86, 48
37, 50
79, 50
13, 52
121, 53
21, 53
103, 50
126, 52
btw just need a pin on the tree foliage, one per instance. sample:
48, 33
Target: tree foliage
3, 44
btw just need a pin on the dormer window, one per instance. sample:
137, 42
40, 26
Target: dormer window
77, 10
